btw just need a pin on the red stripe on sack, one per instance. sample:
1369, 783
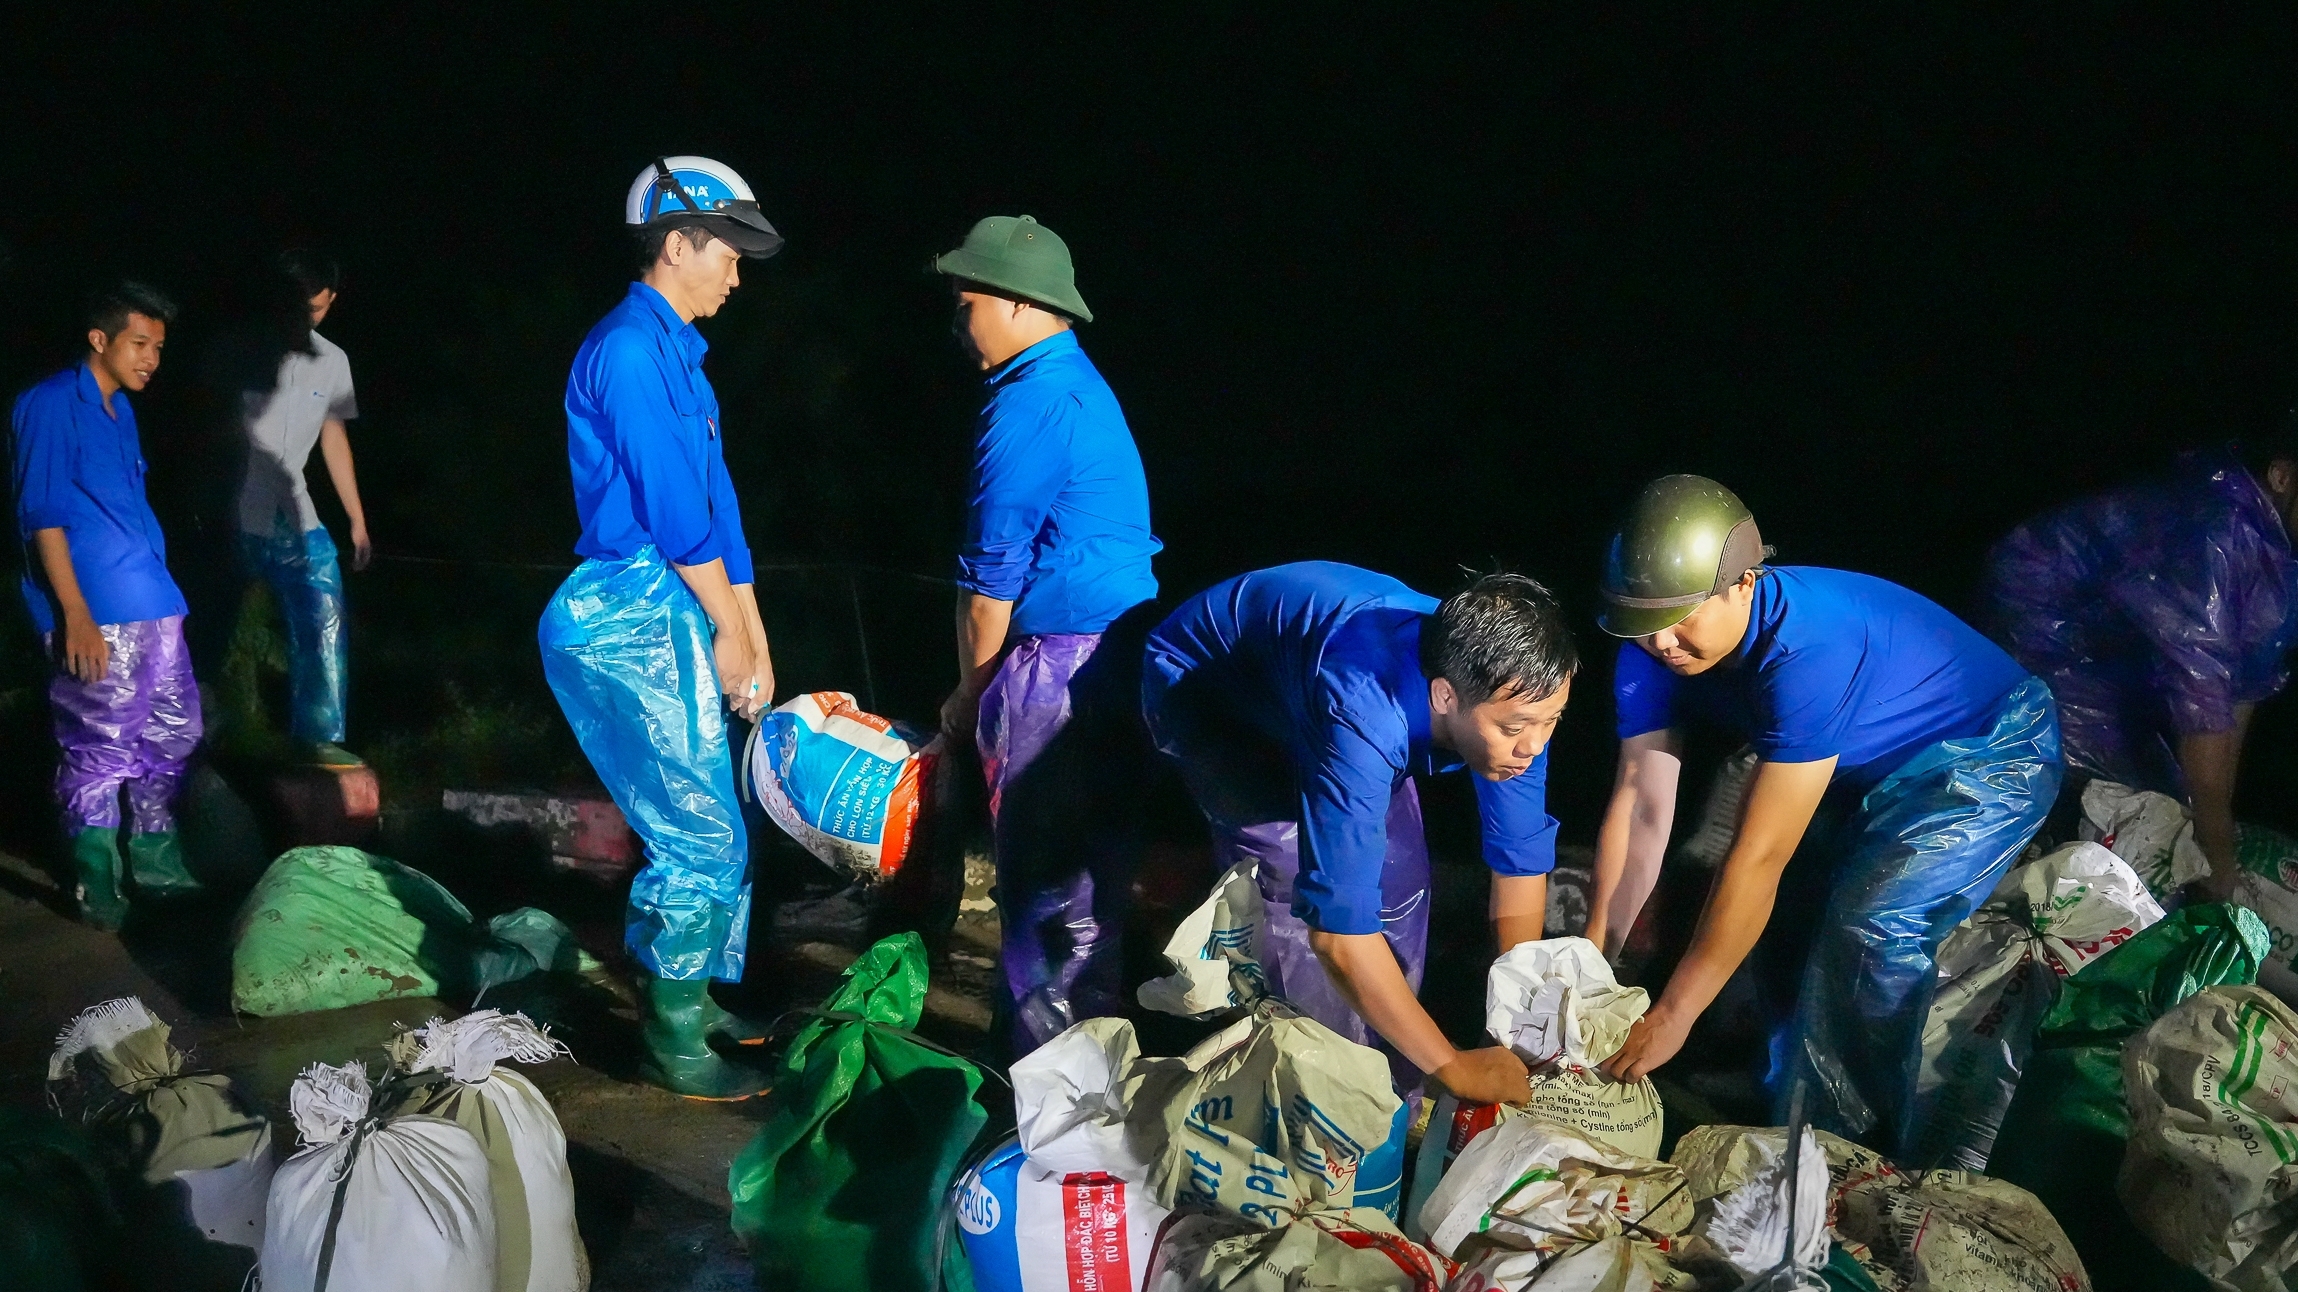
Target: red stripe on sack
1093, 1233
902, 814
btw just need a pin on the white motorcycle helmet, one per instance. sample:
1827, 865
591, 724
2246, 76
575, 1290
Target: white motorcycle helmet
697, 190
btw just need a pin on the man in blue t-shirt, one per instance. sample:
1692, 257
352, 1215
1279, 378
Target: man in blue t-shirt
657, 633
1054, 593
1904, 763
97, 586
1299, 702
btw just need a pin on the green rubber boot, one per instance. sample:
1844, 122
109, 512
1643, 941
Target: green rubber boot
156, 860
96, 867
729, 1026
675, 1032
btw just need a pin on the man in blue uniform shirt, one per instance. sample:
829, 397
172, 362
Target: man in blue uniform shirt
657, 632
1908, 756
1299, 702
1055, 593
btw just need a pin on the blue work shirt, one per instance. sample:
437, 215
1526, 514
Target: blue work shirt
81, 470
1057, 512
1834, 664
1323, 661
643, 442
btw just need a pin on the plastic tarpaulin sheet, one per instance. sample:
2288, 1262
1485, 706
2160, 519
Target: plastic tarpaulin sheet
1063, 750
137, 725
304, 574
2064, 1135
2151, 611
626, 649
843, 1185
1923, 849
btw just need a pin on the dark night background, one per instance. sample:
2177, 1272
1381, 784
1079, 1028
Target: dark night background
1409, 291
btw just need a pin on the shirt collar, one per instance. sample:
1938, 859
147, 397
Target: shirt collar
681, 331
1411, 689
84, 384
1018, 366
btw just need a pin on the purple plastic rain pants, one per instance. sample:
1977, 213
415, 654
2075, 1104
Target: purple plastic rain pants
137, 727
1065, 757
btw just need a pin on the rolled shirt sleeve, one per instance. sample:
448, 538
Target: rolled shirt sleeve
43, 463
1519, 835
660, 456
1020, 464
1643, 693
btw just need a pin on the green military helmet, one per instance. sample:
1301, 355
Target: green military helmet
1686, 539
1017, 254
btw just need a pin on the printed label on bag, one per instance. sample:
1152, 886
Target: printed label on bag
978, 1212
1093, 1233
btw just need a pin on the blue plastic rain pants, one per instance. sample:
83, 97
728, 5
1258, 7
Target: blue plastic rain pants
1876, 885
308, 582
626, 648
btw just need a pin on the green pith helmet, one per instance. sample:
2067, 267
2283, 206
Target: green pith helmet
1017, 254
1686, 539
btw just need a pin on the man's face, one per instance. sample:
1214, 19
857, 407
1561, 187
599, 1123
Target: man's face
989, 327
320, 304
131, 356
1713, 630
704, 278
1499, 738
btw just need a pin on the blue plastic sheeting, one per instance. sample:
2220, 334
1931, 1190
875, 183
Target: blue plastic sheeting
1911, 860
626, 649
2151, 611
308, 581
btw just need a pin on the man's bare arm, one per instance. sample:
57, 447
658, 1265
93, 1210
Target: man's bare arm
982, 625
2212, 762
1367, 975
762, 669
1633, 839
84, 653
730, 643
1779, 808
1519, 909
335, 447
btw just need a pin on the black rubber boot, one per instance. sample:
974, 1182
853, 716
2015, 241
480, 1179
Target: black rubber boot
156, 862
96, 867
675, 1030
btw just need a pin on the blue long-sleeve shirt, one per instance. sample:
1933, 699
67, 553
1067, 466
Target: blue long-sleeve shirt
1323, 661
643, 442
81, 470
1057, 513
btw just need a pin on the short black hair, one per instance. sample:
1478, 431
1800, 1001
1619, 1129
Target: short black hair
652, 236
1502, 634
108, 308
311, 270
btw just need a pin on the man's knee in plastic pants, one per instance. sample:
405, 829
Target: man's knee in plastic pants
306, 577
626, 649
1877, 895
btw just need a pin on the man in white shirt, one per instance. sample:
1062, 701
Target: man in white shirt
280, 532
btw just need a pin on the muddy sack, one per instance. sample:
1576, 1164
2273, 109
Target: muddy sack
849, 786
2211, 1174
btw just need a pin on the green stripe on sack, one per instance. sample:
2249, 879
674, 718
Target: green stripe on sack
1535, 1174
2249, 1056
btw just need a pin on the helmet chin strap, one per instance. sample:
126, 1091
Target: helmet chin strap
664, 182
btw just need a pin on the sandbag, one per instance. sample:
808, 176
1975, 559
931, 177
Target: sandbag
865, 1129
1215, 953
537, 1248
195, 1154
2151, 831
1028, 1229
2211, 1174
2268, 886
1742, 1189
849, 786
379, 1203
1535, 1184
1936, 1231
1352, 1249
328, 927
59, 1228
1999, 971
2064, 1133
1556, 1004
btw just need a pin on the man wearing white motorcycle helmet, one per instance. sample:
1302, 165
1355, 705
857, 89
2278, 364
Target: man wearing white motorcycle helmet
657, 633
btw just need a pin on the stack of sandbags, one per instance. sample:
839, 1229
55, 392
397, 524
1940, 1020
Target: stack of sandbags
456, 1074
196, 1155
2211, 1173
374, 1202
1998, 973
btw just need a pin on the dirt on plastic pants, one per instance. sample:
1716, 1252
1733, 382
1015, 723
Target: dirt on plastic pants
307, 579
1848, 963
1066, 759
136, 726
626, 649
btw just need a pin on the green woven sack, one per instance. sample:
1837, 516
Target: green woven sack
2063, 1137
867, 1125
328, 927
